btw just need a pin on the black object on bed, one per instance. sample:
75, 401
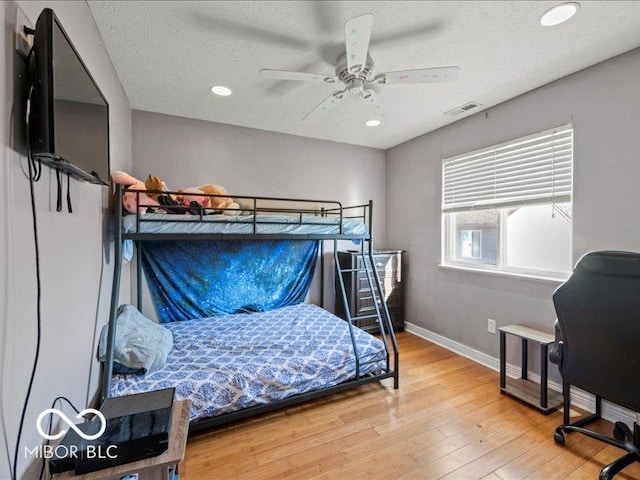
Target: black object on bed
226, 353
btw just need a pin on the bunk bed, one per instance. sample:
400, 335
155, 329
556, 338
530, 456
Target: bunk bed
246, 363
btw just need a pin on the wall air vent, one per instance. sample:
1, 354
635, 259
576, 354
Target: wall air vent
463, 108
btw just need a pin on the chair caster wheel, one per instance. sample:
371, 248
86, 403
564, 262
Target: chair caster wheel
622, 432
558, 437
604, 476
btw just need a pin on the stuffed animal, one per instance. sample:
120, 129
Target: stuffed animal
124, 179
193, 197
129, 198
169, 202
220, 202
217, 198
156, 184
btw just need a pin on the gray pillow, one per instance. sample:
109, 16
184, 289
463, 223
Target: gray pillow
140, 343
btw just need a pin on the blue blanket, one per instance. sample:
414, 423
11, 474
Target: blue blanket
198, 279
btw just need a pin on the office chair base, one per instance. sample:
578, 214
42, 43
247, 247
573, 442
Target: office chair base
624, 439
622, 432
558, 435
616, 466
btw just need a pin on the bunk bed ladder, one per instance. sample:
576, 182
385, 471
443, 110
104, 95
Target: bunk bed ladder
383, 317
365, 263
343, 292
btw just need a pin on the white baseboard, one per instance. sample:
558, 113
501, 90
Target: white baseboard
579, 398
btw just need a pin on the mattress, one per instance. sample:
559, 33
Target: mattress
242, 224
228, 363
265, 224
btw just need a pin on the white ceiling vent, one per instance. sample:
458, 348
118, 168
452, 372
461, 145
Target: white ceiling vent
463, 108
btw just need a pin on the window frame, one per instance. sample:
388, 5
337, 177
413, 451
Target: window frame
448, 231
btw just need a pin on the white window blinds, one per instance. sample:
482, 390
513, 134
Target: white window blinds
531, 170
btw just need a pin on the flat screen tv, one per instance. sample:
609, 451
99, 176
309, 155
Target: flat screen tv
69, 120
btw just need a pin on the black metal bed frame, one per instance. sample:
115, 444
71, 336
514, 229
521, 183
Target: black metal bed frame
336, 214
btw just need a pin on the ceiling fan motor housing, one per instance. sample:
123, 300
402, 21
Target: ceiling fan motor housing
354, 81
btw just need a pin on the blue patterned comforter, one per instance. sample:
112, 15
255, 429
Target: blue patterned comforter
236, 361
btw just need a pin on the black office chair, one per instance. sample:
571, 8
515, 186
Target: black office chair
597, 345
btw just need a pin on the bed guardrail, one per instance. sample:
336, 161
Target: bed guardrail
251, 207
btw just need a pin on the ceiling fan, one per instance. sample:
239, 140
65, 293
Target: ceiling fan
354, 69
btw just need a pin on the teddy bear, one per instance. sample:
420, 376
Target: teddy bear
220, 199
129, 198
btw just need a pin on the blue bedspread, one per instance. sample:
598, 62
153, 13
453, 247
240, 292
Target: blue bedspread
236, 361
198, 279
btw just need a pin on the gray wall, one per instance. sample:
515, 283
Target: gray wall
603, 103
246, 161
76, 275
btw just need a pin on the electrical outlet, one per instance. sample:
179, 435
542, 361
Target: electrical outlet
491, 326
23, 41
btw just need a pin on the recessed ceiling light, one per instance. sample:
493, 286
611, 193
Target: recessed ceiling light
559, 14
372, 123
220, 90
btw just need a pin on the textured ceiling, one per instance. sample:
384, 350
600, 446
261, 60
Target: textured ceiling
168, 54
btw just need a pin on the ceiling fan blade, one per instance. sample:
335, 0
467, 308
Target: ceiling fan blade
208, 21
357, 32
421, 75
405, 34
326, 15
372, 98
298, 76
326, 105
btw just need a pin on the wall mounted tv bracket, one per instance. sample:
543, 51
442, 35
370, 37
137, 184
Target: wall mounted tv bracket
24, 33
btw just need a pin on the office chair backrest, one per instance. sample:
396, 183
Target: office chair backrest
598, 310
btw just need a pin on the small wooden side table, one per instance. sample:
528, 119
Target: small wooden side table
161, 467
523, 388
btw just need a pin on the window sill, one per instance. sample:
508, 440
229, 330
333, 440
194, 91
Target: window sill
500, 273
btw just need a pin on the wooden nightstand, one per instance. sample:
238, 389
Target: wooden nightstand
161, 467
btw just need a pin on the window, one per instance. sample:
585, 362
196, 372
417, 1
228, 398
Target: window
509, 207
471, 244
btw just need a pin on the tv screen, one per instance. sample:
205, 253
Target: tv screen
69, 123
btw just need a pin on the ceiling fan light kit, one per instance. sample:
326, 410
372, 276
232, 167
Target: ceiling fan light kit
355, 69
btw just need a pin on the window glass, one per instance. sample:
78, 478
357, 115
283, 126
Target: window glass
539, 238
476, 236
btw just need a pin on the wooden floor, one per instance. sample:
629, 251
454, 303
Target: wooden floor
447, 420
